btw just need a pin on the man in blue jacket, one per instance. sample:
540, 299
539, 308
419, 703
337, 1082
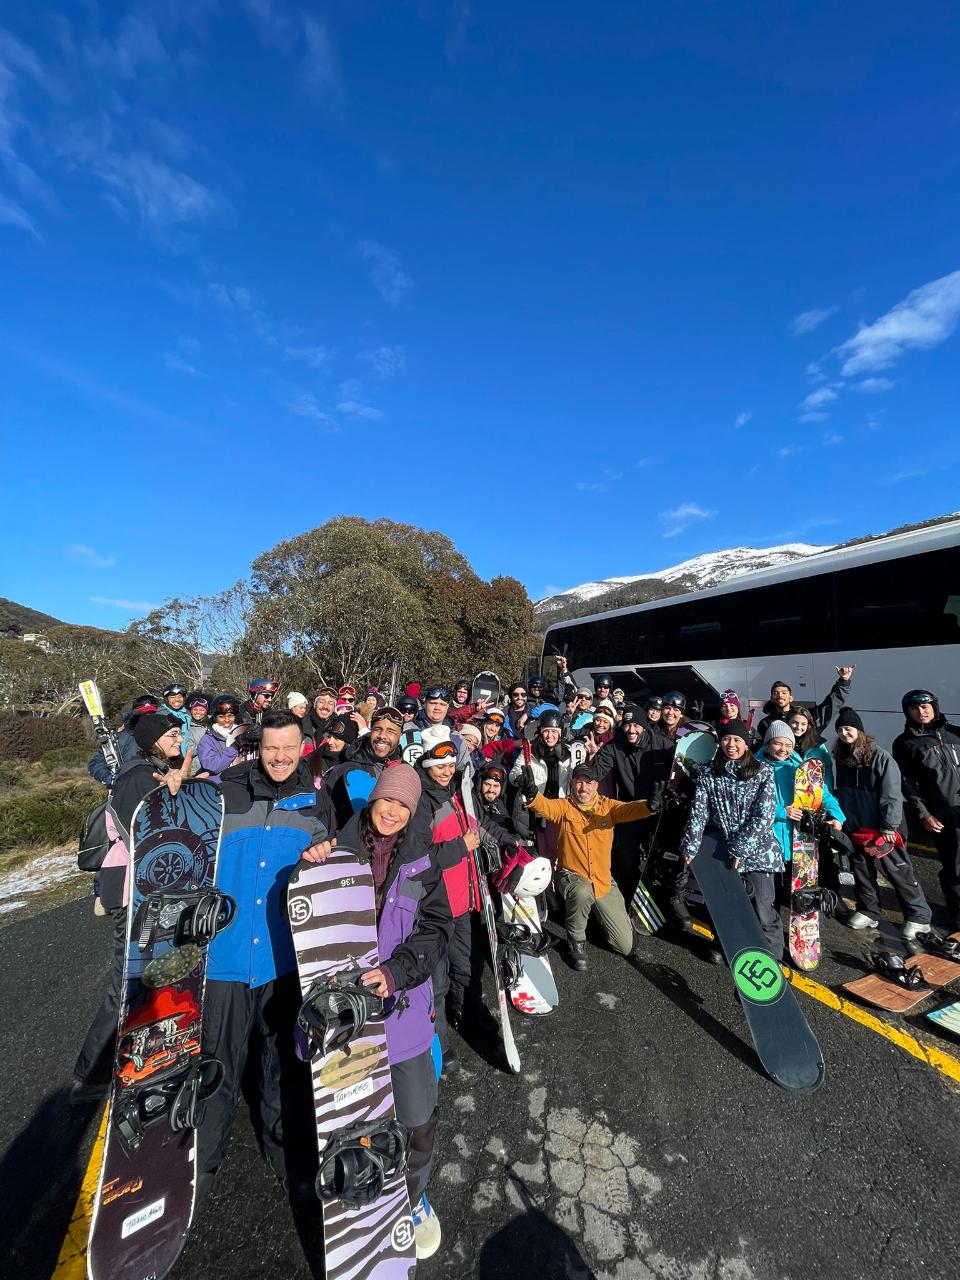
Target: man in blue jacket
253, 992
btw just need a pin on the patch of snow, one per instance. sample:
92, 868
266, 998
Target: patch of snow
46, 870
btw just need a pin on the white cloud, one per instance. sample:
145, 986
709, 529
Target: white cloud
179, 365
831, 437
742, 419
321, 67
137, 45
386, 271
924, 319
354, 409
275, 26
385, 361
680, 518
815, 373
788, 450
86, 555
807, 321
898, 477
162, 196
306, 406
813, 415
315, 357
13, 215
131, 606
591, 486
817, 399
871, 385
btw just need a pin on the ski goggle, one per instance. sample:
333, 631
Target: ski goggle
346, 691
496, 774
916, 696
198, 702
173, 689
438, 693
495, 717
263, 686
442, 751
224, 708
387, 713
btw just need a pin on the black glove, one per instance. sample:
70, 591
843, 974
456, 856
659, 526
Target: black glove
529, 786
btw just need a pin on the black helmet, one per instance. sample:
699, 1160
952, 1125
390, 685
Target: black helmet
537, 682
603, 679
222, 703
653, 700
174, 688
462, 683
549, 720
675, 699
195, 696
916, 696
146, 702
407, 703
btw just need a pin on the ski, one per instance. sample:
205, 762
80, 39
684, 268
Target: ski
104, 732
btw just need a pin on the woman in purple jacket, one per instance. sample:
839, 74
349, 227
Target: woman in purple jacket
218, 750
414, 925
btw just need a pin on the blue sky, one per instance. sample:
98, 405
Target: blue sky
592, 289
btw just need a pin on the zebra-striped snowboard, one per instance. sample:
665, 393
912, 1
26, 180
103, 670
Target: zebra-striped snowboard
333, 920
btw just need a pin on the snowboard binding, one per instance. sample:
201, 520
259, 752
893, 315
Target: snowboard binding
814, 899
892, 968
192, 919
518, 940
177, 1096
933, 944
356, 1162
335, 1010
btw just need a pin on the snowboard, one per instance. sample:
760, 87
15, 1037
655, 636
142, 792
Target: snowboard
804, 931
490, 923
947, 1017
784, 1042
367, 1225
485, 685
411, 746
145, 1196
535, 988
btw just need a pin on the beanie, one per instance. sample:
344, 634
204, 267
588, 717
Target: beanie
730, 695
294, 700
605, 705
471, 730
412, 690
780, 729
150, 727
849, 718
398, 781
440, 753
433, 734
737, 729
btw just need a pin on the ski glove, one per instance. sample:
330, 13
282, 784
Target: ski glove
529, 784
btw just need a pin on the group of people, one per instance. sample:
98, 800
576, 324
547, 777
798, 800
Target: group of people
416, 786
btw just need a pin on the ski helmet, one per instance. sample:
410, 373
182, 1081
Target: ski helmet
262, 685
145, 703
550, 720
675, 699
223, 703
493, 771
916, 696
196, 698
602, 681
536, 685
170, 689
407, 704
654, 700
533, 879
462, 683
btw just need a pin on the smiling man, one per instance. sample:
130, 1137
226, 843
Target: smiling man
347, 786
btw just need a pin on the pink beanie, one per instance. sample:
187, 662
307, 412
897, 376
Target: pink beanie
400, 782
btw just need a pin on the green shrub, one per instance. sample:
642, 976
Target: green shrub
28, 737
15, 773
53, 816
64, 758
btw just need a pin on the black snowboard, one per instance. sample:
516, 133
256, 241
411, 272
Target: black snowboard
145, 1197
486, 684
785, 1044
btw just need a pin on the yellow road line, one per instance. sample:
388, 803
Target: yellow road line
72, 1262
929, 1054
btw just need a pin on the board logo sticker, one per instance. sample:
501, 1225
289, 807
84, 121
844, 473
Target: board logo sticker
300, 909
758, 976
341, 1070
353, 1092
143, 1217
401, 1237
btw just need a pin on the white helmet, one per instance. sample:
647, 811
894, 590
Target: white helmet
533, 879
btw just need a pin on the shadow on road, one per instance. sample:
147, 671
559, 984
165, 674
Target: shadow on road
509, 1254
41, 1173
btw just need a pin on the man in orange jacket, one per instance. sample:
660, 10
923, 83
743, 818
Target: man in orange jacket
585, 821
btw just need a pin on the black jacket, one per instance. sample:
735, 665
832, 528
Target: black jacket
340, 796
869, 794
639, 770
822, 713
929, 760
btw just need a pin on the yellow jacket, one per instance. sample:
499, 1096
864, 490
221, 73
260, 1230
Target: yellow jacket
585, 836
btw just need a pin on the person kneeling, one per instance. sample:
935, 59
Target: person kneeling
585, 821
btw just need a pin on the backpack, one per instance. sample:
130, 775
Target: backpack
96, 837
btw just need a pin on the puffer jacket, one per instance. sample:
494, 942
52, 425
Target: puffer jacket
929, 759
743, 809
414, 927
443, 811
784, 774
215, 755
870, 794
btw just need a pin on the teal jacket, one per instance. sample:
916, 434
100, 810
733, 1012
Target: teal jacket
784, 774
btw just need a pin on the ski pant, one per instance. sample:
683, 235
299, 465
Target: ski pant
898, 869
631, 842
580, 901
95, 1063
251, 1031
415, 1095
761, 889
947, 845
466, 955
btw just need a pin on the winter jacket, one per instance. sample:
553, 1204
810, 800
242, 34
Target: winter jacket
822, 713
493, 818
784, 774
215, 755
870, 794
821, 752
568, 760
347, 786
929, 759
413, 931
442, 809
637, 770
743, 808
266, 828
98, 768
585, 836
183, 717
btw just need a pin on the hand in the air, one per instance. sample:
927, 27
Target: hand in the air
173, 779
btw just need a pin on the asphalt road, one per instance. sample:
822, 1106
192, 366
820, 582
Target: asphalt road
642, 1140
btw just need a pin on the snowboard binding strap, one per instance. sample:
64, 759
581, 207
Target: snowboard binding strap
814, 899
356, 1162
183, 918
335, 1010
893, 969
948, 948
178, 1096
523, 939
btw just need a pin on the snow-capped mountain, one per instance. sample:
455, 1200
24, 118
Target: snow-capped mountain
692, 575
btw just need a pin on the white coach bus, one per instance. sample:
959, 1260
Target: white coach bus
892, 606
